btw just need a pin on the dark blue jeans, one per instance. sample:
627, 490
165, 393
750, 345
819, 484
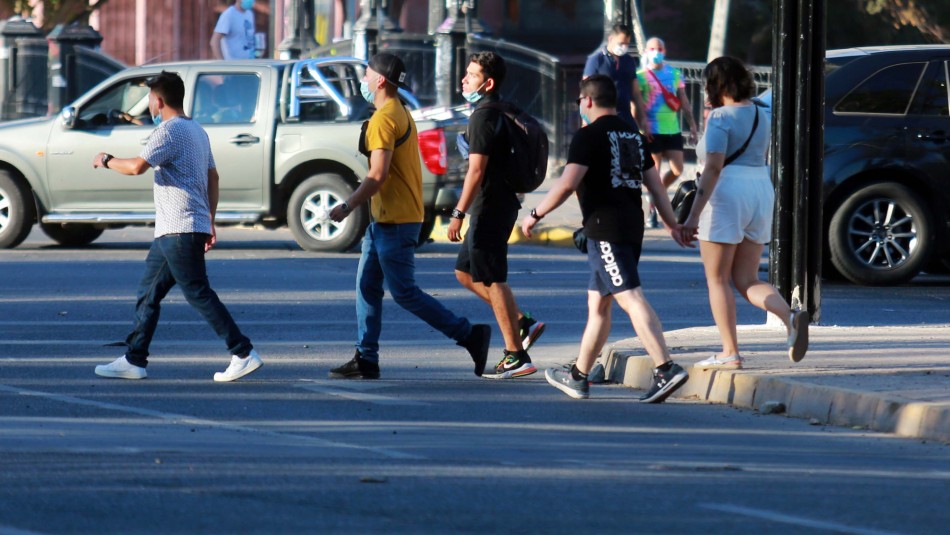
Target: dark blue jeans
179, 258
389, 253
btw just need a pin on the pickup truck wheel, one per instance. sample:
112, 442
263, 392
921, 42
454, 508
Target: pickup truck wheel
881, 235
17, 211
309, 208
71, 235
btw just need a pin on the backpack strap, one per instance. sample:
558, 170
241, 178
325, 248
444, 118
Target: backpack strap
755, 123
405, 136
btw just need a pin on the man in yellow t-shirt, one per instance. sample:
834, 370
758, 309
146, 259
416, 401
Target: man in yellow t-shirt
393, 186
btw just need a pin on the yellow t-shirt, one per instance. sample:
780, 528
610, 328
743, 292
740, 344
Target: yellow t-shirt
400, 198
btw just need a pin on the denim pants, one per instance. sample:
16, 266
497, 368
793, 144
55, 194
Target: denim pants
389, 252
179, 258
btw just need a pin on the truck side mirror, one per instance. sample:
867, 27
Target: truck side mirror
68, 117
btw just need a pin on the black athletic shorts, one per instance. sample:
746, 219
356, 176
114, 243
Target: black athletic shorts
613, 266
664, 142
484, 252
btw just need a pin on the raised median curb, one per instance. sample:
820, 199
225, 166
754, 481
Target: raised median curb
875, 405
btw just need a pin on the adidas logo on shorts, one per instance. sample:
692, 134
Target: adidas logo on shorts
610, 263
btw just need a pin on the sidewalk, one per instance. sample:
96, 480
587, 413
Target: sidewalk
888, 379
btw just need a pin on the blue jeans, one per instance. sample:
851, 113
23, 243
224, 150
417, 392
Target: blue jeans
179, 258
389, 252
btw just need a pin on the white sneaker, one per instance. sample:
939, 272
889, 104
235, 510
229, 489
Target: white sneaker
239, 367
732, 362
121, 368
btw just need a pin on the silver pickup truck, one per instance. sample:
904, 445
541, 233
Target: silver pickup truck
284, 137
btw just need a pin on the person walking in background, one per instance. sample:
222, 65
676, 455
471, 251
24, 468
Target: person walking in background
233, 36
607, 165
732, 214
393, 185
482, 264
186, 199
613, 61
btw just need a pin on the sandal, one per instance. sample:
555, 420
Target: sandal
798, 335
732, 362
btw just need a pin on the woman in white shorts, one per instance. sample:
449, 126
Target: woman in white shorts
732, 214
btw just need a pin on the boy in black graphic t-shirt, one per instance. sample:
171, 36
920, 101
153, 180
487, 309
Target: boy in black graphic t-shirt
607, 166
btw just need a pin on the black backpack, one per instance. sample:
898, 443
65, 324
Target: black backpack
529, 147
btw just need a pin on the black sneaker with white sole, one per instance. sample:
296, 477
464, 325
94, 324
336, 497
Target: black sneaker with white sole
530, 330
356, 368
665, 383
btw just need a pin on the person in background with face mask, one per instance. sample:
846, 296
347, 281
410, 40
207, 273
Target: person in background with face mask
186, 198
608, 165
613, 61
393, 185
234, 33
482, 264
655, 82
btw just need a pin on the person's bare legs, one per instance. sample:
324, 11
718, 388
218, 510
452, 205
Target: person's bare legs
506, 313
479, 289
645, 323
597, 330
675, 160
745, 276
718, 261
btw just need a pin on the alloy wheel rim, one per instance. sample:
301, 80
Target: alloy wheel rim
4, 210
315, 216
882, 234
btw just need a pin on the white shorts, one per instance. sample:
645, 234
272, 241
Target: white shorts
740, 207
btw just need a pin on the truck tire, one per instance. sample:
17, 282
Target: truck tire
71, 234
881, 235
17, 211
309, 208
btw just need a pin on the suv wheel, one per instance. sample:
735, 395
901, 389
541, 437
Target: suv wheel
17, 211
309, 209
881, 235
71, 235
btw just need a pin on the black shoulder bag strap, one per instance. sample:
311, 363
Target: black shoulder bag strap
405, 136
736, 154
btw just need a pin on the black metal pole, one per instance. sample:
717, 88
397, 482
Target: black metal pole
798, 53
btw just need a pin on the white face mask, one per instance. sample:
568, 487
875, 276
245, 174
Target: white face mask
620, 50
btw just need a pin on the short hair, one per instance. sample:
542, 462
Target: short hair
493, 66
601, 89
170, 87
727, 75
621, 29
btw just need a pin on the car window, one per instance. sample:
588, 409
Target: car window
888, 91
125, 100
226, 98
934, 99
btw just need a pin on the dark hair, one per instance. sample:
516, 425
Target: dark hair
621, 29
601, 89
169, 87
727, 75
493, 66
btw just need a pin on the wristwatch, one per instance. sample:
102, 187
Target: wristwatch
458, 214
534, 214
345, 207
105, 160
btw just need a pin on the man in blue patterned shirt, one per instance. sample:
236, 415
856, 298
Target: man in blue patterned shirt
186, 197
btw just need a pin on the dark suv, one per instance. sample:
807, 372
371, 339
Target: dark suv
887, 162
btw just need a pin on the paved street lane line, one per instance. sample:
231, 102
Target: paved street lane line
7, 530
794, 520
191, 420
375, 399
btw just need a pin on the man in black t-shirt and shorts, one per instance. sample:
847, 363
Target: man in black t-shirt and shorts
607, 165
482, 264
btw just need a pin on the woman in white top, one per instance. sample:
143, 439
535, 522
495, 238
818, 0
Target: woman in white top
732, 214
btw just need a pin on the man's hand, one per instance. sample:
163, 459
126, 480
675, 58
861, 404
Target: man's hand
97, 161
527, 224
686, 234
693, 135
339, 212
212, 239
455, 230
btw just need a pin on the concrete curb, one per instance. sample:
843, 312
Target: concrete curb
826, 404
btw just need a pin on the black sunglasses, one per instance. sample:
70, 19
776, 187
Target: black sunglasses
579, 99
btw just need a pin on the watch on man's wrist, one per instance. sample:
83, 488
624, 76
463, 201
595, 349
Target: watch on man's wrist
458, 214
105, 160
345, 207
534, 214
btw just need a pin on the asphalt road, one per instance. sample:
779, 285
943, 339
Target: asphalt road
430, 448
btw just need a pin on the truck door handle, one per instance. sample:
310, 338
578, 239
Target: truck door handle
244, 139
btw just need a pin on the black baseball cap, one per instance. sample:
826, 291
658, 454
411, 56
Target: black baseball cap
391, 67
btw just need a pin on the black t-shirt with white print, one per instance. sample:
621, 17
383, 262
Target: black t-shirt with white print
609, 193
487, 136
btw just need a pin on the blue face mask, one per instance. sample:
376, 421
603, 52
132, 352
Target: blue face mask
474, 96
584, 120
657, 58
157, 119
247, 4
367, 94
